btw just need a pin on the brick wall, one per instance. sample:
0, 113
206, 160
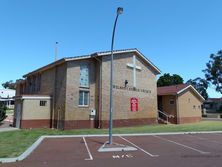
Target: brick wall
73, 110
146, 79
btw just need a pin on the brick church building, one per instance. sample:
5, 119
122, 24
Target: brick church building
73, 92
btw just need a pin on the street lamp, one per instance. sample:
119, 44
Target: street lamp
119, 11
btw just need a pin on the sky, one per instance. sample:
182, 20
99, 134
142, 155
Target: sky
176, 35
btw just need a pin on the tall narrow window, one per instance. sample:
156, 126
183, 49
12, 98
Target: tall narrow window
83, 98
84, 76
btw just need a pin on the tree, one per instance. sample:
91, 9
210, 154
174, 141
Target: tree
200, 85
2, 111
168, 80
9, 85
213, 71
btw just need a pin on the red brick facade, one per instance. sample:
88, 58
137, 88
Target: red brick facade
81, 124
25, 124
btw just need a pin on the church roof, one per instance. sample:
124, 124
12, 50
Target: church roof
176, 90
96, 54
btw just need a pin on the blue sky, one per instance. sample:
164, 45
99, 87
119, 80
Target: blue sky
176, 35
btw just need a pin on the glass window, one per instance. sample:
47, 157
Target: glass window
171, 101
86, 98
83, 98
84, 76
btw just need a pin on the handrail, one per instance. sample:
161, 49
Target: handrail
163, 113
166, 115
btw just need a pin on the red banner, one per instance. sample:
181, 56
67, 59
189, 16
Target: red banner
134, 104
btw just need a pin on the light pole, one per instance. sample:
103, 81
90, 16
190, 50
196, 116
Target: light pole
56, 50
119, 11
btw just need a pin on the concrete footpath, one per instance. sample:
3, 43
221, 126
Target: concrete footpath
6, 129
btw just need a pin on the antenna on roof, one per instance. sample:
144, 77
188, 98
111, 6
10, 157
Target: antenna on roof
56, 50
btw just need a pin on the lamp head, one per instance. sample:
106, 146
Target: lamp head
119, 10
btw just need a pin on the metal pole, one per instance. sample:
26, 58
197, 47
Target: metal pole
119, 11
56, 50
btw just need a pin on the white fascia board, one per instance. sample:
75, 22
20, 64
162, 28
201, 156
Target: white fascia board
190, 86
6, 99
36, 97
116, 52
77, 58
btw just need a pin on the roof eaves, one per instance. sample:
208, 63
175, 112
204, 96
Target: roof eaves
131, 50
115, 51
46, 67
77, 58
190, 86
51, 65
155, 67
166, 94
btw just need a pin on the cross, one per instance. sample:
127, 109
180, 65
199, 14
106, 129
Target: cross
134, 67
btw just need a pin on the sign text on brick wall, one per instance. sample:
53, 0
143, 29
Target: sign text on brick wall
131, 89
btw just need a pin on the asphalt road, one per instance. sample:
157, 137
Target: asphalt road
196, 150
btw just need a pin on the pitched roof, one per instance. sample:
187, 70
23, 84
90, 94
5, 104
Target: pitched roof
96, 54
177, 89
214, 100
170, 90
7, 93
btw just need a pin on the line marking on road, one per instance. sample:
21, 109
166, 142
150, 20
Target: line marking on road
185, 146
152, 155
205, 139
87, 148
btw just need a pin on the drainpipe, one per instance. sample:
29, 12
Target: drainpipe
53, 101
100, 96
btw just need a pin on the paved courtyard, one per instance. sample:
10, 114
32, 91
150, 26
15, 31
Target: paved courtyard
193, 150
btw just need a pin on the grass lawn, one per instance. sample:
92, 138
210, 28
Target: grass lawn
16, 142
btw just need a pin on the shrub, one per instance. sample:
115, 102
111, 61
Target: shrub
2, 112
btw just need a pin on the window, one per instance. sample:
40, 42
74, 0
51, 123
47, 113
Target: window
83, 98
194, 107
171, 101
84, 76
189, 100
42, 103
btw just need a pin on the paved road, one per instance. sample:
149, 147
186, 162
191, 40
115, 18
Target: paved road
197, 150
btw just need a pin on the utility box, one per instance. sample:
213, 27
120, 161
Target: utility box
92, 114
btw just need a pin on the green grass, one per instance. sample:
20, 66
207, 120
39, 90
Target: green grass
16, 142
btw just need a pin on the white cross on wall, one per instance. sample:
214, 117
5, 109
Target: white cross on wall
134, 67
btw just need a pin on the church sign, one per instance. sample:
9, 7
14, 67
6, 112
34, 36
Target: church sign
128, 88
134, 104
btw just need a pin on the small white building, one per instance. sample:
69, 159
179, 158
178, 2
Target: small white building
6, 96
